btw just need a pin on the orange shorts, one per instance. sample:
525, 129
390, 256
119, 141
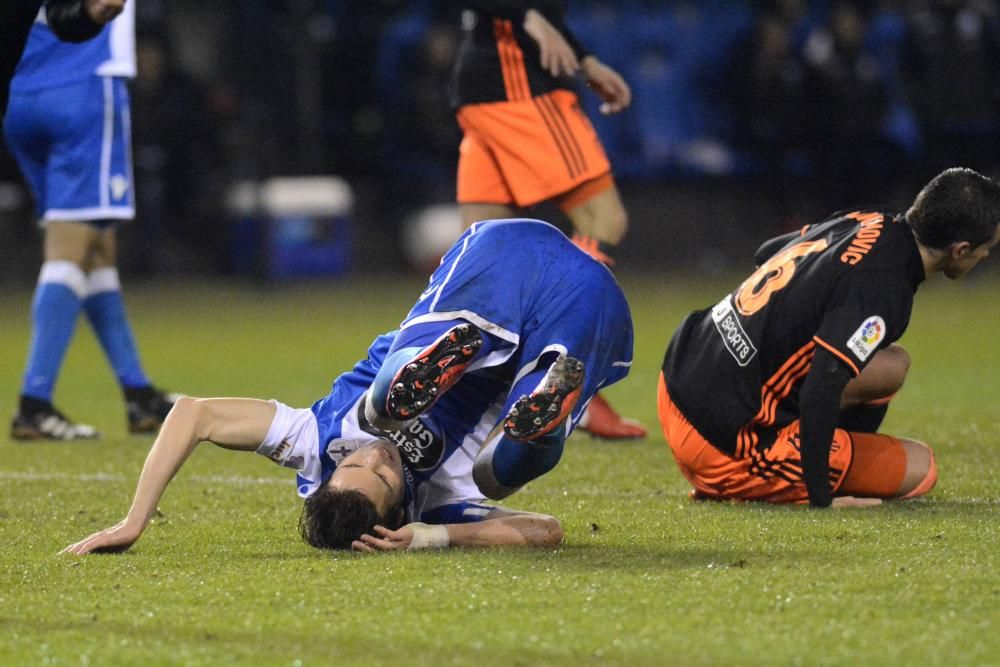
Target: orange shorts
775, 474
525, 152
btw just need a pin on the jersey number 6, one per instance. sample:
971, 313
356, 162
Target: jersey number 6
772, 276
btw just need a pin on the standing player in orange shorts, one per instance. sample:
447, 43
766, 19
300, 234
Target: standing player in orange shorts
526, 139
776, 392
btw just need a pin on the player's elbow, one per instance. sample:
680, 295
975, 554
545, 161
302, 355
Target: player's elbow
556, 533
190, 411
546, 531
185, 405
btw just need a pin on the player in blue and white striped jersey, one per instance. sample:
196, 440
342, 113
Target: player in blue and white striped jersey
473, 397
68, 127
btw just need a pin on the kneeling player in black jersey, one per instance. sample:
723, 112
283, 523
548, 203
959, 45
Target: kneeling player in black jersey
776, 393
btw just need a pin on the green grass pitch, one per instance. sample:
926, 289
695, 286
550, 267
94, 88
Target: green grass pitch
645, 577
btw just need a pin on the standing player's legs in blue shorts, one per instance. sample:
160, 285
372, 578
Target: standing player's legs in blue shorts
73, 145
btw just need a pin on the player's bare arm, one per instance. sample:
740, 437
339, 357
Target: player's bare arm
502, 527
232, 423
557, 55
608, 84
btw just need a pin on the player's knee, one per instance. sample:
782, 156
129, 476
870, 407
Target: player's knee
486, 480
892, 364
881, 379
899, 366
921, 470
79, 257
485, 477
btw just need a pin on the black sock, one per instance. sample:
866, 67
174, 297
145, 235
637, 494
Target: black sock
863, 418
138, 394
32, 406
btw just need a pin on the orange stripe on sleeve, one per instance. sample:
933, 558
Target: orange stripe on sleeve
840, 355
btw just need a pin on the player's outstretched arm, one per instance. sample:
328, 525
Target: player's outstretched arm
502, 527
233, 423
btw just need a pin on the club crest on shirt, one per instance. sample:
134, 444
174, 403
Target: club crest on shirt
866, 339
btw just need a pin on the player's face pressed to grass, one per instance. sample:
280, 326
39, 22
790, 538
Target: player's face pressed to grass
375, 471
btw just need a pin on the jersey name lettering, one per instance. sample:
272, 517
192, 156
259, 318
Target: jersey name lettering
871, 229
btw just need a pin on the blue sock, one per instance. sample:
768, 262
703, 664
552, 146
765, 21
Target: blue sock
61, 285
106, 311
409, 343
517, 463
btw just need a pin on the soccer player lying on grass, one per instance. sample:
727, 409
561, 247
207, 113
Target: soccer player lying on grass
471, 399
777, 392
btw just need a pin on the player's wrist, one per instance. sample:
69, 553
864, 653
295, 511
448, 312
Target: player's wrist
426, 536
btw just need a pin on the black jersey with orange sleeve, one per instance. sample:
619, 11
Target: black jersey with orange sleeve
497, 60
845, 285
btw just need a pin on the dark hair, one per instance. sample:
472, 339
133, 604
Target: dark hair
333, 519
957, 205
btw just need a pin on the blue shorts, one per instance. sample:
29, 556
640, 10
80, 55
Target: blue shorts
526, 284
73, 144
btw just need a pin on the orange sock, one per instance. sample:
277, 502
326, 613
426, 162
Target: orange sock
878, 467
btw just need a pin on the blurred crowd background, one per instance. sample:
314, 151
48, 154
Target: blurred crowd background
749, 118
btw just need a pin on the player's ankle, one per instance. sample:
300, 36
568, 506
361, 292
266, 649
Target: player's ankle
29, 405
374, 416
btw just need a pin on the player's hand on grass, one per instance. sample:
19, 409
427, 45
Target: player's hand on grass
387, 540
608, 85
557, 55
414, 535
851, 501
113, 540
103, 11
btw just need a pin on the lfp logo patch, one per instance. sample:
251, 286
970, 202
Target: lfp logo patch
866, 339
